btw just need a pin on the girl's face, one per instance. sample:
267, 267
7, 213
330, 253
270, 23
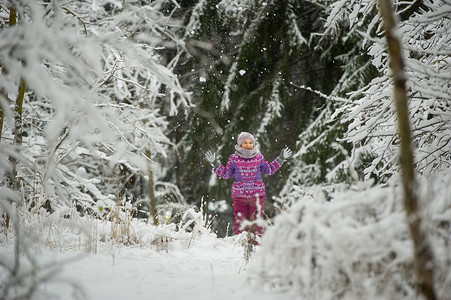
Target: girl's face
247, 144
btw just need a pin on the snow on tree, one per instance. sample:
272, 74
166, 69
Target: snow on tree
423, 31
361, 99
94, 77
356, 243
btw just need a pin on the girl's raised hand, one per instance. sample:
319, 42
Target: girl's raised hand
284, 154
211, 158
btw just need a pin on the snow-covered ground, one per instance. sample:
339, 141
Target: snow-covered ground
191, 265
212, 268
355, 246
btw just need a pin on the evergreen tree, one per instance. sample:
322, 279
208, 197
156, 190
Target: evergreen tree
372, 121
247, 64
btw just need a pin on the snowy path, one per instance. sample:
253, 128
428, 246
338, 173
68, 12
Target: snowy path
210, 269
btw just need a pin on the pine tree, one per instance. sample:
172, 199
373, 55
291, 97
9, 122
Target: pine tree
247, 65
372, 122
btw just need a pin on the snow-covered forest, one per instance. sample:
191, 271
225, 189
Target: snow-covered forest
107, 108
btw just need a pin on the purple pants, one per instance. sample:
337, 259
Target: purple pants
246, 209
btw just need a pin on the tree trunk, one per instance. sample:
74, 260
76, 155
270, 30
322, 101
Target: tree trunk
153, 202
18, 129
11, 176
17, 132
2, 115
4, 94
423, 254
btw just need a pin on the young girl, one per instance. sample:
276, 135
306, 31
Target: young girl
247, 165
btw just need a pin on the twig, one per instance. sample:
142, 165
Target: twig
113, 70
80, 19
338, 99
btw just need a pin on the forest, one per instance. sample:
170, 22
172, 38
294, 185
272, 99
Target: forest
108, 108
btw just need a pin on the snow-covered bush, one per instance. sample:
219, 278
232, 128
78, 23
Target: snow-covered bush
355, 246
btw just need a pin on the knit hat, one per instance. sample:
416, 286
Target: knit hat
244, 135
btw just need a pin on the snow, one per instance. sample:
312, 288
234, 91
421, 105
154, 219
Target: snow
426, 71
110, 255
304, 254
210, 268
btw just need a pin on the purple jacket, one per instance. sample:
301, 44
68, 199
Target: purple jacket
247, 171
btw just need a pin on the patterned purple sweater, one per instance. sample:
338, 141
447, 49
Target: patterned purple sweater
247, 171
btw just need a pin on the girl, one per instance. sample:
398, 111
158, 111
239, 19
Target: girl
247, 165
